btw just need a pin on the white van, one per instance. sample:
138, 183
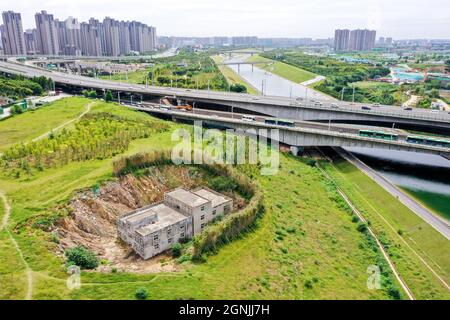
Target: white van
248, 118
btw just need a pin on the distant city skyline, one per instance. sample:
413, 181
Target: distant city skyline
284, 18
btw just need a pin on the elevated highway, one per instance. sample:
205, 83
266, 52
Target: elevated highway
303, 134
281, 107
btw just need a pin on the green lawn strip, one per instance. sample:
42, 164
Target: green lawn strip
392, 222
284, 70
33, 123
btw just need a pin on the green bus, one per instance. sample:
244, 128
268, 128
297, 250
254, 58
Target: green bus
428, 141
378, 135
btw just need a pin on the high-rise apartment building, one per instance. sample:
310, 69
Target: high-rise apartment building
362, 40
48, 42
13, 41
70, 37
30, 36
111, 34
354, 40
341, 39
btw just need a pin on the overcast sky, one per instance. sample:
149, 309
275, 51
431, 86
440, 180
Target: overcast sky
264, 18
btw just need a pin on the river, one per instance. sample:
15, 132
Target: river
425, 177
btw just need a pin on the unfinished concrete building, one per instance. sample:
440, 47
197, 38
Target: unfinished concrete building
155, 228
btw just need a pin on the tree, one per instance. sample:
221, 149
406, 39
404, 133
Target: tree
141, 294
108, 96
434, 93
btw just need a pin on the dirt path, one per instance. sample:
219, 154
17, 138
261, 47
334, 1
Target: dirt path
88, 108
4, 226
7, 206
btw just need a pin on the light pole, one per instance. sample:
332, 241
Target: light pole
353, 99
193, 107
342, 94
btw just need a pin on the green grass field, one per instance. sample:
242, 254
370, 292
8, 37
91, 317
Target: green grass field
33, 123
304, 247
403, 233
137, 77
283, 70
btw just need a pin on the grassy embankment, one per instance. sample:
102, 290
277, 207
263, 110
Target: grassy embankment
232, 77
33, 123
305, 246
284, 70
403, 234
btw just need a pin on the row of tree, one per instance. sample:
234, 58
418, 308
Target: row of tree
95, 136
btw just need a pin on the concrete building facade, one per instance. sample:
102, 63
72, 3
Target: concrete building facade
31, 45
341, 38
47, 34
153, 229
354, 40
13, 41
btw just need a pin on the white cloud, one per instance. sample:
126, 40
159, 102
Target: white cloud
282, 18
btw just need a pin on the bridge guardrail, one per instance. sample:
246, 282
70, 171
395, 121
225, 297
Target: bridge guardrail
300, 129
248, 98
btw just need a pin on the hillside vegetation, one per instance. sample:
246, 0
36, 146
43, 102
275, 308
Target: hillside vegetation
305, 245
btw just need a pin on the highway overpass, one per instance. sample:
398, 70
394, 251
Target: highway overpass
304, 134
282, 107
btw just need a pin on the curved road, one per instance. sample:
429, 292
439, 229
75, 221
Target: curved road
435, 221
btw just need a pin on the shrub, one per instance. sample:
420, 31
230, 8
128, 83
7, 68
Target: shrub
362, 227
394, 293
16, 109
308, 284
311, 162
141, 293
176, 250
82, 257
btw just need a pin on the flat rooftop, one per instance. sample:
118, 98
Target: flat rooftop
215, 198
187, 197
166, 216
139, 215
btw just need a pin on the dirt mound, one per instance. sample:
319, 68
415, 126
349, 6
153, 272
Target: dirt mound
92, 221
